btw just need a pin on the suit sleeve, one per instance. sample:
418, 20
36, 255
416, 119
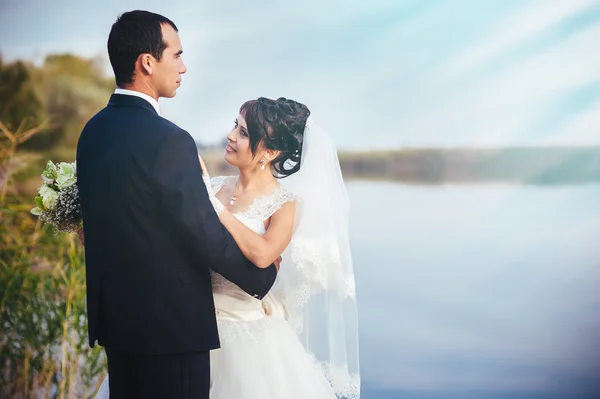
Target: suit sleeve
182, 192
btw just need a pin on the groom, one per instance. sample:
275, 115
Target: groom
151, 234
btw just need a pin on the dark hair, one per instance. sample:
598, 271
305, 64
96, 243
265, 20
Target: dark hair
134, 33
279, 126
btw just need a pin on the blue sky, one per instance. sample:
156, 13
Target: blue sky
376, 74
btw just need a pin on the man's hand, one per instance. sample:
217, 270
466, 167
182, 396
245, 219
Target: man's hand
277, 263
80, 235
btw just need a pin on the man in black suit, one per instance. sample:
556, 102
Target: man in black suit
151, 233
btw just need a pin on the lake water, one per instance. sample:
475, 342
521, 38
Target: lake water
477, 291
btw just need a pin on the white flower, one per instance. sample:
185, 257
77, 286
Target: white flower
64, 181
66, 168
49, 196
65, 175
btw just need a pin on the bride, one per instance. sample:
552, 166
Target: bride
299, 341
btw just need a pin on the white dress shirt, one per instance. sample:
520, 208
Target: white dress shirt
146, 97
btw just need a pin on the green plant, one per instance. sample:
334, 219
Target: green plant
43, 346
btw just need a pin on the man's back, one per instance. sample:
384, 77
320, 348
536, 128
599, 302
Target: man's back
157, 296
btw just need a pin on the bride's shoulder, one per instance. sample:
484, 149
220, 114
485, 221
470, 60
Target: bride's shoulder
281, 196
264, 207
218, 182
285, 195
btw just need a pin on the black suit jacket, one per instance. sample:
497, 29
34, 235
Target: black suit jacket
151, 235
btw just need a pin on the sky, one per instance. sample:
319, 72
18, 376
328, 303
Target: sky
377, 74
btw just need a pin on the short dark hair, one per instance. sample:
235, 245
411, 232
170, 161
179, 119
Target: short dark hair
134, 33
277, 125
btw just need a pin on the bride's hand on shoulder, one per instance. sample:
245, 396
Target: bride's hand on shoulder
205, 174
219, 207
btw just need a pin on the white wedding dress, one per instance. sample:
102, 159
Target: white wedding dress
261, 356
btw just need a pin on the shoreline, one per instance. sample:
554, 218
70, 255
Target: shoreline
540, 166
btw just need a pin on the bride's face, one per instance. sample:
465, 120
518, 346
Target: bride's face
238, 151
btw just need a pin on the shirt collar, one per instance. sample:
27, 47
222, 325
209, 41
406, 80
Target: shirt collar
146, 97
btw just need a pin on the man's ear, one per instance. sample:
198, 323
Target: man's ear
146, 62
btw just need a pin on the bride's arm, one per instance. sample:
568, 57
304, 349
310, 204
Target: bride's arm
263, 250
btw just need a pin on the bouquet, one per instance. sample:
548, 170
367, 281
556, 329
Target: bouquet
58, 199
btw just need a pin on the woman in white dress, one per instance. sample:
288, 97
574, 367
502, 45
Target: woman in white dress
299, 341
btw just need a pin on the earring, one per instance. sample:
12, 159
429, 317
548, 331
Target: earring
263, 164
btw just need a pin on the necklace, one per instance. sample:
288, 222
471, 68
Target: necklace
235, 197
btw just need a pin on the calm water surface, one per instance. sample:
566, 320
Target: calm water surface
481, 291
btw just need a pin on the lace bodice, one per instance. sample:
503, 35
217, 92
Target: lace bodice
263, 207
231, 302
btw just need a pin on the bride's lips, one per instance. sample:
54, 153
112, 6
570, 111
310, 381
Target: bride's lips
229, 149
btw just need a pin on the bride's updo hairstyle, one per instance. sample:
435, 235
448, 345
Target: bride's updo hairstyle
277, 125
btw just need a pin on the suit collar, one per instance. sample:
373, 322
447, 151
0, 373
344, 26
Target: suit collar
124, 100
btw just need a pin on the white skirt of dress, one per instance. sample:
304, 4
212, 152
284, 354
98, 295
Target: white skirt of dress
264, 359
